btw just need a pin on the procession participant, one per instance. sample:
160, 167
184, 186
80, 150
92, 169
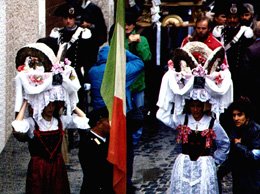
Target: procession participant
74, 43
93, 150
46, 101
202, 33
236, 38
194, 91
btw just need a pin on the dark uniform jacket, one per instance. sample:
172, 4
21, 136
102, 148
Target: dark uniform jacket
251, 68
235, 56
80, 53
93, 14
97, 171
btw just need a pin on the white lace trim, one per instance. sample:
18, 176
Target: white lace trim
194, 176
41, 93
172, 90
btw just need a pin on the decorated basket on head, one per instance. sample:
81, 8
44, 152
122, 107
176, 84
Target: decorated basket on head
197, 72
42, 78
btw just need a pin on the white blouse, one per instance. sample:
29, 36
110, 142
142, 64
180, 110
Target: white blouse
27, 125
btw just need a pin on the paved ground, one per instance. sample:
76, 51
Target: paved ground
154, 156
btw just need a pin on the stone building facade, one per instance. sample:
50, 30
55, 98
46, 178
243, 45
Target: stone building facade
23, 22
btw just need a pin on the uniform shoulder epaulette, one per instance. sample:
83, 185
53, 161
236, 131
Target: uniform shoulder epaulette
217, 31
249, 33
86, 33
55, 32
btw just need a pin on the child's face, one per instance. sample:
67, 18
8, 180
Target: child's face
196, 108
49, 109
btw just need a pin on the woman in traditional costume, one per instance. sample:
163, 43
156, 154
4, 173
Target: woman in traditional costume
196, 84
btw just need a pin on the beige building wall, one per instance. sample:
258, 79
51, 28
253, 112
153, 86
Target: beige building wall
19, 23
22, 22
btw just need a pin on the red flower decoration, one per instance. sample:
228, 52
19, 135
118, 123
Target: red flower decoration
183, 133
36, 79
218, 79
210, 135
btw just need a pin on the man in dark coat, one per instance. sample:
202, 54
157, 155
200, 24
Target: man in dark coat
93, 149
92, 18
93, 15
252, 69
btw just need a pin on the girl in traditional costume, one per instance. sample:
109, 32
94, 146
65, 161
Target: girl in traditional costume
47, 87
196, 81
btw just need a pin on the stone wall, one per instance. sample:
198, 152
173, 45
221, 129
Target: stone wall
19, 26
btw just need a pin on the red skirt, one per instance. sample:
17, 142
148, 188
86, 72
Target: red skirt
47, 176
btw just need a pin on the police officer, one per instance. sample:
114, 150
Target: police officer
236, 38
74, 43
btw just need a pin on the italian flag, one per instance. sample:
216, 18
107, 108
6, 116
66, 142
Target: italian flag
113, 93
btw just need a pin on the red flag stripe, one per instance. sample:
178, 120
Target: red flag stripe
117, 146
